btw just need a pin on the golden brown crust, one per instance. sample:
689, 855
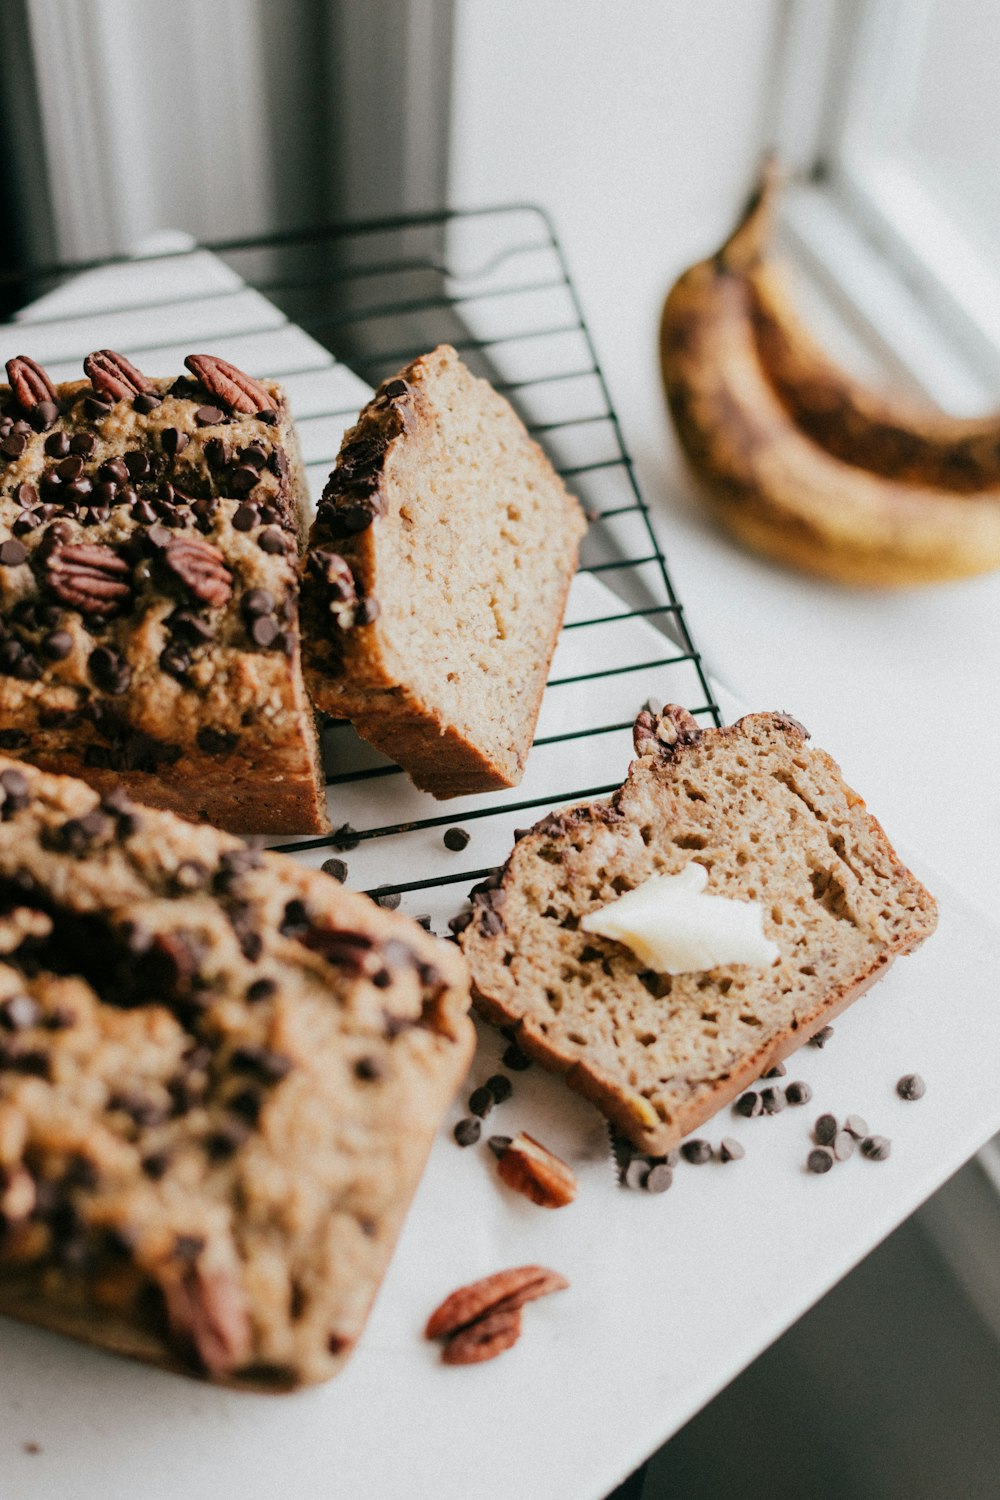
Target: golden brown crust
148, 597
659, 1058
220, 1077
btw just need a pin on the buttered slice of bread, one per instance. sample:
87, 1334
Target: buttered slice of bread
436, 579
772, 821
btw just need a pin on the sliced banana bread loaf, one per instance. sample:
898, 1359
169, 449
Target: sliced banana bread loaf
773, 822
220, 1076
149, 539
436, 579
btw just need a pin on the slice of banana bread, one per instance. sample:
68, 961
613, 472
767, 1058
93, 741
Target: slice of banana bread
772, 821
220, 1076
149, 538
436, 579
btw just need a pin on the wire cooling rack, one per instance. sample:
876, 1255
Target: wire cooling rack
333, 311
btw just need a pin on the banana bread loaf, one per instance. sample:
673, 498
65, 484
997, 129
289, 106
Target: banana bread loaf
772, 821
149, 538
436, 579
220, 1076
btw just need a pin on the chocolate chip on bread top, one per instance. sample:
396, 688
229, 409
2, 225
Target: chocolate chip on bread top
149, 538
220, 1076
771, 822
437, 574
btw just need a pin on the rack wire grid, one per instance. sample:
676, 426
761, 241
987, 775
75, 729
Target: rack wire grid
332, 312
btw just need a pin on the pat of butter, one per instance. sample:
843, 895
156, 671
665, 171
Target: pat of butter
673, 927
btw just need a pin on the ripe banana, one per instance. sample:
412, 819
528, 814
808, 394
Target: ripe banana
803, 462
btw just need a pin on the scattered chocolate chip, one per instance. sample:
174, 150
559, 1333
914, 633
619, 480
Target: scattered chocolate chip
748, 1105
57, 445
498, 1143
772, 1101
57, 645
481, 1101
225, 1140
108, 671
697, 1152
368, 1069
456, 839
876, 1147
778, 1071
819, 1160
155, 1165
388, 900
636, 1173
856, 1127
15, 793
843, 1145
245, 518
12, 553
821, 1037
272, 541
825, 1129
798, 1092
500, 1087
658, 1179
337, 868
467, 1133
515, 1059
215, 741
911, 1086
144, 404
730, 1149
345, 837
268, 1066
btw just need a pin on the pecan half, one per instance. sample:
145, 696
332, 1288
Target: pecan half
661, 734
201, 569
238, 390
504, 1291
208, 1317
89, 577
532, 1169
113, 373
29, 382
483, 1340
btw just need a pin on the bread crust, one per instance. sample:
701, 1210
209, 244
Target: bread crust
664, 744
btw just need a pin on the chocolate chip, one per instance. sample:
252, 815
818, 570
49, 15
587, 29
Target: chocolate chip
18, 1012
137, 464
13, 553
819, 1160
515, 1059
83, 443
467, 1132
245, 517
57, 445
209, 416
798, 1093
481, 1101
144, 403
43, 415
388, 900
268, 1066
456, 839
15, 793
243, 479
110, 673
658, 1178
498, 1143
636, 1173
748, 1105
730, 1150
264, 631
876, 1147
155, 1165
173, 441
215, 741
295, 919
247, 1102
336, 868
70, 468
257, 602
25, 494
260, 989
697, 1152
843, 1145
825, 1129
821, 1037
500, 1087
911, 1086
778, 1071
345, 837
368, 1069
272, 541
856, 1126
772, 1101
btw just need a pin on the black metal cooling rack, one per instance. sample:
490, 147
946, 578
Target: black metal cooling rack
493, 282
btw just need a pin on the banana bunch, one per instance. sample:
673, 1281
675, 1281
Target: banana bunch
800, 460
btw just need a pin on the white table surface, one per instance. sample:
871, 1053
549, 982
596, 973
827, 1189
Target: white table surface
670, 1296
